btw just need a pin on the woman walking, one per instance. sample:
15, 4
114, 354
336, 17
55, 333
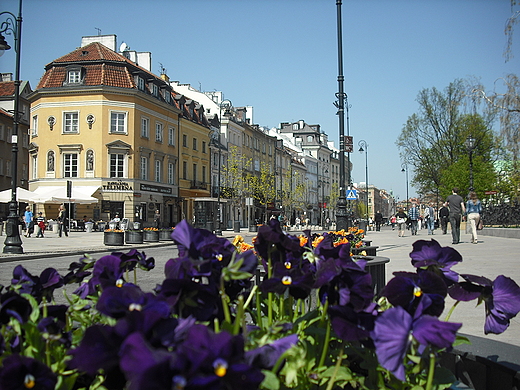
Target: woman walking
474, 210
401, 218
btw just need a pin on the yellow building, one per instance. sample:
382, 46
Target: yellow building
118, 133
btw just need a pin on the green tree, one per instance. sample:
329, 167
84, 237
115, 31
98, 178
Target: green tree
263, 187
235, 185
433, 140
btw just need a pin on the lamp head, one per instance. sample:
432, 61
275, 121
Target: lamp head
3, 45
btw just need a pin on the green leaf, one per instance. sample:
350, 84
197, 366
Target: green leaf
271, 381
461, 340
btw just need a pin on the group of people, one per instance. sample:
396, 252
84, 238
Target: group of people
31, 222
452, 211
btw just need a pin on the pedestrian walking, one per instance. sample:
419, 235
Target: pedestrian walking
401, 219
474, 212
457, 208
413, 216
27, 218
63, 221
30, 227
444, 217
393, 221
429, 218
40, 221
157, 219
379, 220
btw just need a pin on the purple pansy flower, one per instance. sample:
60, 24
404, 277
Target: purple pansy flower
25, 281
20, 372
134, 258
501, 298
430, 255
272, 243
395, 329
295, 279
266, 356
107, 272
13, 305
350, 324
423, 291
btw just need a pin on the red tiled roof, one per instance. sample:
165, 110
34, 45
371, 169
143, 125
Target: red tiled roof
6, 88
92, 52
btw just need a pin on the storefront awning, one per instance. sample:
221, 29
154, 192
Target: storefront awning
55, 194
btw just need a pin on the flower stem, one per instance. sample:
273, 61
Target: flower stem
326, 342
258, 309
336, 368
451, 311
240, 315
135, 276
431, 371
225, 301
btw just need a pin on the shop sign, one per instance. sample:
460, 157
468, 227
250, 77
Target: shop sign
117, 186
159, 189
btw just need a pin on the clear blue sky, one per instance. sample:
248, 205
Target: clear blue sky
280, 56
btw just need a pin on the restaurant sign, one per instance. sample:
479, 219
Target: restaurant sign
117, 186
159, 189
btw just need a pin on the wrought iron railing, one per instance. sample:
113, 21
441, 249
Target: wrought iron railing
502, 215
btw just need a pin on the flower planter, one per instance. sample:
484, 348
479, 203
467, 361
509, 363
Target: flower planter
165, 235
134, 237
114, 238
151, 236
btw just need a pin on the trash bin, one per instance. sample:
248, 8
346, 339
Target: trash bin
363, 225
236, 226
89, 226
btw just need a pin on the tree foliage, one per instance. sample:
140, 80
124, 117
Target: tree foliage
432, 141
234, 179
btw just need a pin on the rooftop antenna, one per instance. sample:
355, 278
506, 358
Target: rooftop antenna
163, 69
98, 30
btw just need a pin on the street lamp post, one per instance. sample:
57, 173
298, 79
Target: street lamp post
363, 147
342, 217
470, 145
404, 168
13, 24
224, 104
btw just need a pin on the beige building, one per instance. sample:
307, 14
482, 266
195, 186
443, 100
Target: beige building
118, 133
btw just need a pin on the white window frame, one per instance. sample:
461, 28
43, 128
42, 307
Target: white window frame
71, 122
34, 172
118, 122
171, 136
171, 173
70, 161
159, 128
158, 171
34, 129
144, 168
74, 76
117, 165
145, 127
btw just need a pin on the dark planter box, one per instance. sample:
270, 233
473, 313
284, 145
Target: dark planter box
376, 267
114, 238
134, 237
369, 250
151, 236
165, 235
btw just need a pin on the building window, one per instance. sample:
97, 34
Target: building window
158, 166
185, 170
144, 168
2, 132
117, 122
155, 90
171, 136
140, 83
34, 167
194, 143
185, 140
203, 146
117, 165
171, 173
1, 166
8, 168
34, 130
145, 127
310, 138
194, 172
70, 165
70, 122
74, 76
204, 174
158, 132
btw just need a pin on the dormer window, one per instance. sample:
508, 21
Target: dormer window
75, 76
140, 83
155, 90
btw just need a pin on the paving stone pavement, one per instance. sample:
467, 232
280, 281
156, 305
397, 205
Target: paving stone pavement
492, 256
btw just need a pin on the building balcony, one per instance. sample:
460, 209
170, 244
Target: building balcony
199, 185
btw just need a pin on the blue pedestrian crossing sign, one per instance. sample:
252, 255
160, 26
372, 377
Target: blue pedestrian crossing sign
351, 195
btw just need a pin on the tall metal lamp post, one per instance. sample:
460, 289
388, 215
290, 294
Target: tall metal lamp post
13, 25
342, 217
226, 105
363, 147
470, 145
404, 168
